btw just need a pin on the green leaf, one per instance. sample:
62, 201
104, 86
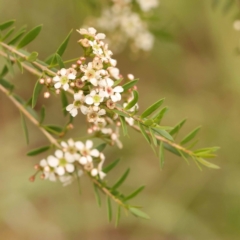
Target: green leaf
30, 36
190, 136
161, 154
25, 130
9, 63
153, 137
4, 71
121, 180
63, 45
124, 125
7, 85
130, 84
109, 167
8, 34
32, 57
207, 164
101, 147
152, 108
53, 129
116, 83
97, 195
42, 115
134, 101
183, 155
163, 133
144, 133
38, 151
138, 213
118, 215
159, 116
176, 129
120, 113
36, 92
64, 101
19, 64
134, 194
109, 207
171, 149
18, 36
6, 25
207, 150
59, 61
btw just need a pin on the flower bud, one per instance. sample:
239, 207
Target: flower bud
41, 81
32, 178
130, 77
46, 95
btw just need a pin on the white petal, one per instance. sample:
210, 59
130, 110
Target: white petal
102, 112
58, 153
52, 177
71, 76
63, 71
89, 144
52, 161
83, 160
118, 89
84, 109
69, 107
89, 100
110, 82
71, 142
77, 156
74, 112
77, 96
60, 170
114, 98
94, 172
43, 163
79, 145
64, 144
69, 168
66, 86
69, 157
100, 36
56, 79
94, 153
89, 158
101, 174
92, 30
118, 95
82, 31
94, 81
57, 85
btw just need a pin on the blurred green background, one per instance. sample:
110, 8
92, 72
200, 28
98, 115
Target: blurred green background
199, 75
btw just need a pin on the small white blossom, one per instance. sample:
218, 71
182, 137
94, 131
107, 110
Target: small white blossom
97, 48
63, 77
95, 97
86, 151
77, 104
90, 74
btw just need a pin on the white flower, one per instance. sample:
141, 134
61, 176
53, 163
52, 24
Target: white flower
87, 153
63, 77
48, 171
91, 32
77, 104
144, 41
113, 93
147, 5
70, 147
95, 97
96, 47
94, 114
65, 162
90, 74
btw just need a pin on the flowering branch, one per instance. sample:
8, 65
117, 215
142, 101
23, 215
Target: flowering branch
99, 92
